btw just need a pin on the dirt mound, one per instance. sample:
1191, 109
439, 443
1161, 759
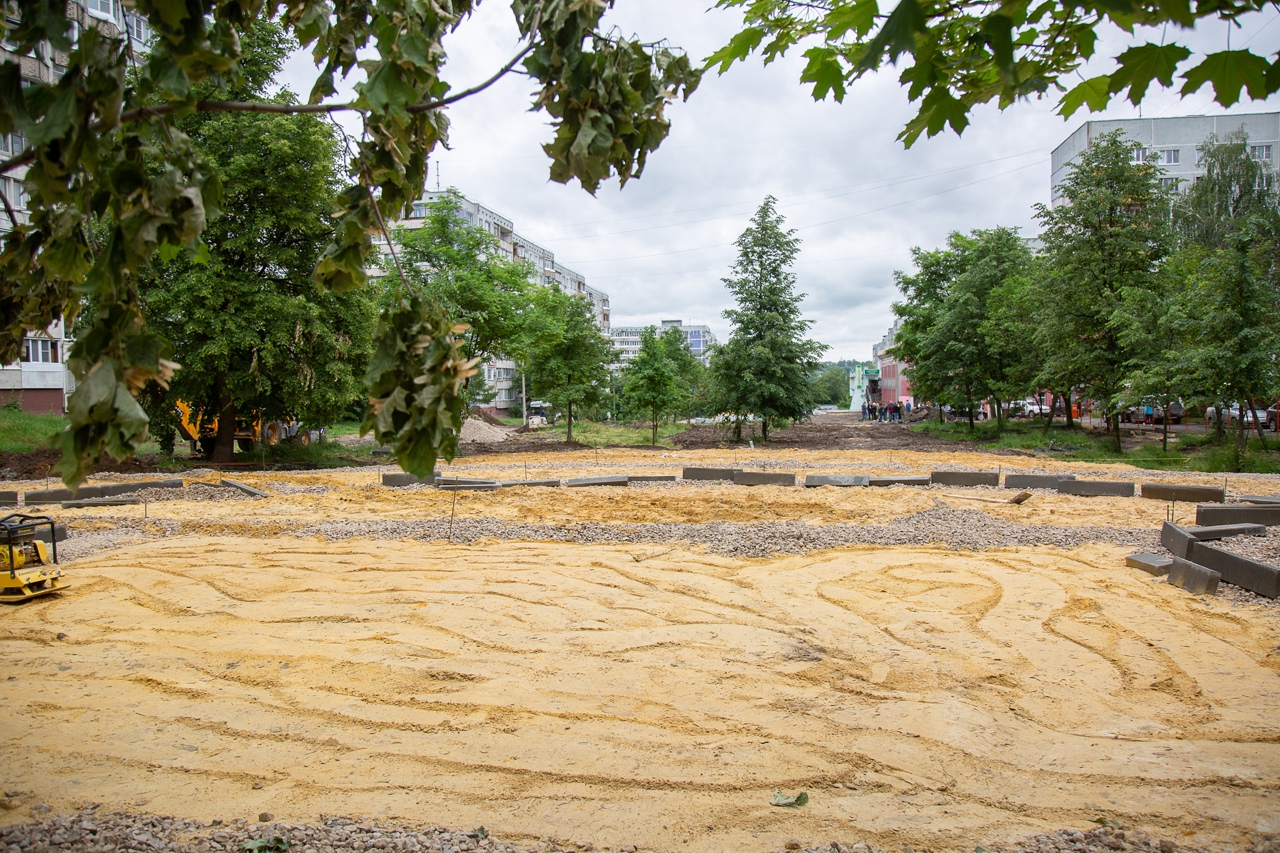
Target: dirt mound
476, 431
477, 412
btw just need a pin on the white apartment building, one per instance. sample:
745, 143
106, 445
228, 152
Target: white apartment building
40, 378
626, 340
499, 374
1174, 143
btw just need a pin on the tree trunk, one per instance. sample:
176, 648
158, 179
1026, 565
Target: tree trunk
568, 436
764, 429
999, 418
655, 425
1164, 438
1066, 409
1115, 427
1048, 422
1257, 424
971, 426
1219, 429
737, 430
224, 442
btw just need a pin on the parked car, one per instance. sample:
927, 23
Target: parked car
1139, 414
1032, 408
961, 413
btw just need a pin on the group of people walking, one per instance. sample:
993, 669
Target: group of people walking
886, 412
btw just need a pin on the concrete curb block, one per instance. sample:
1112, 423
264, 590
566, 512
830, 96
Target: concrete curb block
763, 478
1193, 578
400, 478
380, 451
248, 490
898, 481
654, 478
468, 487
1186, 494
580, 482
1175, 539
1265, 500
550, 484
1235, 569
1152, 564
464, 481
965, 478
59, 533
1222, 531
1035, 481
1096, 488
708, 473
9, 498
1209, 515
114, 489
841, 480
53, 496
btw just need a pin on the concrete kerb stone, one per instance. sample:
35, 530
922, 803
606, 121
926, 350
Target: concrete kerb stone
1035, 481
395, 479
965, 478
1266, 500
91, 502
1153, 564
53, 496
550, 484
708, 473
248, 490
1185, 494
1194, 578
1096, 488
763, 478
922, 480
580, 482
9, 498
464, 481
1176, 539
468, 487
1223, 531
841, 480
1208, 515
59, 533
1235, 569
653, 478
111, 490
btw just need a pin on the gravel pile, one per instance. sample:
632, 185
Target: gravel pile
193, 492
116, 832
954, 528
1264, 549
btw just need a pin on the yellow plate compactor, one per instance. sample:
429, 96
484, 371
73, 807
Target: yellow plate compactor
28, 565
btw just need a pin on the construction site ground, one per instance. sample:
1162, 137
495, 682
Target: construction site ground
629, 667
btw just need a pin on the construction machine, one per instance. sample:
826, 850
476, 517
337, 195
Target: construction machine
200, 430
28, 564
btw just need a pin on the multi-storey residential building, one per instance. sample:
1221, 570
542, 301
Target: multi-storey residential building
40, 378
499, 374
864, 387
626, 340
895, 387
1172, 142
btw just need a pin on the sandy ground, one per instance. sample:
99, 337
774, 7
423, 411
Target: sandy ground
646, 695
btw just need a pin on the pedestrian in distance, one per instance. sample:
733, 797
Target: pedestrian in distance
864, 410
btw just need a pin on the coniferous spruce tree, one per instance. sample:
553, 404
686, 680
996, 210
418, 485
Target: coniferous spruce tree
764, 368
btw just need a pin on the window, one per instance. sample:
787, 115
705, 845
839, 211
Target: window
40, 350
1140, 155
1169, 156
4, 143
1260, 152
1169, 183
102, 7
17, 142
1265, 181
419, 210
138, 27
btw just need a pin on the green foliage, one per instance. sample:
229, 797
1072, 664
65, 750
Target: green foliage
691, 378
764, 367
1233, 188
650, 379
565, 355
253, 333
831, 386
108, 144
970, 53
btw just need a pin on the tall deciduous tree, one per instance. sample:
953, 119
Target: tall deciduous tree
1105, 240
254, 334
650, 379
764, 368
565, 355
690, 373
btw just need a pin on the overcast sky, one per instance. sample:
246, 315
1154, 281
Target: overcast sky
858, 200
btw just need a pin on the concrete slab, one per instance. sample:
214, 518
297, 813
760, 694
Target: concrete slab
400, 478
1096, 488
922, 480
550, 484
464, 481
653, 478
965, 478
380, 451
114, 489
91, 502
1223, 531
1258, 499
468, 487
1035, 481
1153, 564
1194, 578
763, 478
619, 480
1213, 514
53, 496
841, 480
248, 490
1186, 494
59, 533
708, 473
1235, 569
9, 497
1175, 539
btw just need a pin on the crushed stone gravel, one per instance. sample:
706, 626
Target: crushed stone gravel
89, 831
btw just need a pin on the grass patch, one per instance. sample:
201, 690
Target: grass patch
1024, 435
21, 432
596, 434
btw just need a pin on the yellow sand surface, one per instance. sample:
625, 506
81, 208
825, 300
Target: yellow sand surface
643, 695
